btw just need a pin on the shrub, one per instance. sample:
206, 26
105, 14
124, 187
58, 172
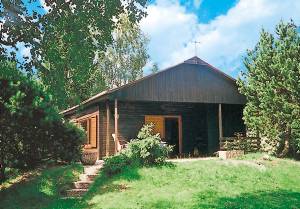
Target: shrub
115, 164
31, 128
147, 149
67, 142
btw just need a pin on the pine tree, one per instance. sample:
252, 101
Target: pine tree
272, 87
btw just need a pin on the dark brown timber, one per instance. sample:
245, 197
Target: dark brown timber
107, 128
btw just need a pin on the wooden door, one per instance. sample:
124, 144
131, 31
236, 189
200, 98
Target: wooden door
93, 131
159, 124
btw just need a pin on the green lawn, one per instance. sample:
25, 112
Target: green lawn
38, 188
246, 183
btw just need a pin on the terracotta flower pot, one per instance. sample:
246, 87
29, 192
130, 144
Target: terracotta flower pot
230, 154
89, 157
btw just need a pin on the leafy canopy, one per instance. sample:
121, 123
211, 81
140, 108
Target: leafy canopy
124, 59
31, 128
63, 37
271, 85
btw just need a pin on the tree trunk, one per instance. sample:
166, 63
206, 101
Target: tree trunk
2, 172
286, 147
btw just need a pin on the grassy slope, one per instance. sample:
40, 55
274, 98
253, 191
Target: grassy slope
40, 188
198, 184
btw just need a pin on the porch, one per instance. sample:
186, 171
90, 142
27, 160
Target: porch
189, 127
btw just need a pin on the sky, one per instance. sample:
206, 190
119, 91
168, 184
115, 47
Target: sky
224, 28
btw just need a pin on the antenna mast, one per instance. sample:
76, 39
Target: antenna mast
196, 42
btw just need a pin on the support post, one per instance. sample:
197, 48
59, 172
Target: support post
116, 126
180, 135
220, 122
107, 128
98, 134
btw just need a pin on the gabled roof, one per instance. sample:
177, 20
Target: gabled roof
104, 95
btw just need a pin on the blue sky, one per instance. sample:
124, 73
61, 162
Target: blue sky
207, 10
224, 28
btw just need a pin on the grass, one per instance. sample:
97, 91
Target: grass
247, 183
37, 188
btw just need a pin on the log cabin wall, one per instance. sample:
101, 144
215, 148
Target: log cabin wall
82, 112
103, 129
193, 89
199, 122
193, 83
132, 118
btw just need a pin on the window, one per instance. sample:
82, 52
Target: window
90, 127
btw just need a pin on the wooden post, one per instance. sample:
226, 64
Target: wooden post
116, 125
180, 135
220, 122
107, 128
98, 135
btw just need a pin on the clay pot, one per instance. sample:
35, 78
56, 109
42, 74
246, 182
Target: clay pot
89, 157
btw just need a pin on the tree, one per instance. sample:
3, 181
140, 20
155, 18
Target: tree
63, 37
31, 128
271, 85
125, 58
154, 68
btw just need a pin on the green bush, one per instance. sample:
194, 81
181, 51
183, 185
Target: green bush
67, 142
115, 164
31, 128
146, 150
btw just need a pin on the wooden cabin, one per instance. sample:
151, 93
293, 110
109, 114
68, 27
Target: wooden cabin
192, 105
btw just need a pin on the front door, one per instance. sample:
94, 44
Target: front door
172, 134
169, 128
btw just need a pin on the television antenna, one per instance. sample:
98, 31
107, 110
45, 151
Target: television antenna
195, 43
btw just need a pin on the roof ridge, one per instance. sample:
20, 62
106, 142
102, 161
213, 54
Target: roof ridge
194, 60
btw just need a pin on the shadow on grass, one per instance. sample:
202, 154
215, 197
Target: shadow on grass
264, 199
105, 184
41, 190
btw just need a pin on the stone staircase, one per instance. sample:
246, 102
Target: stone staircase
85, 180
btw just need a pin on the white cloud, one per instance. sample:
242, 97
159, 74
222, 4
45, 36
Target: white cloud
224, 40
170, 27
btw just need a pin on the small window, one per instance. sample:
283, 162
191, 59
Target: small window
85, 126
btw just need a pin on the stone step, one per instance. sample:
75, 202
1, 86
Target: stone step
83, 177
75, 192
91, 177
92, 170
87, 177
82, 184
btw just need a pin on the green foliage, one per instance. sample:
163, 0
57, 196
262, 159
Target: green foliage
146, 150
31, 128
124, 59
67, 141
154, 68
271, 85
116, 164
63, 37
38, 188
240, 142
204, 184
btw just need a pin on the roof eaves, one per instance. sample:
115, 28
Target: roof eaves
106, 92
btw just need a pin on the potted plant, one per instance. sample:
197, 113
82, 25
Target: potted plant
89, 156
234, 148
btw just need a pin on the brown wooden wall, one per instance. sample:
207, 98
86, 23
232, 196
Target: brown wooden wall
199, 122
102, 129
186, 82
